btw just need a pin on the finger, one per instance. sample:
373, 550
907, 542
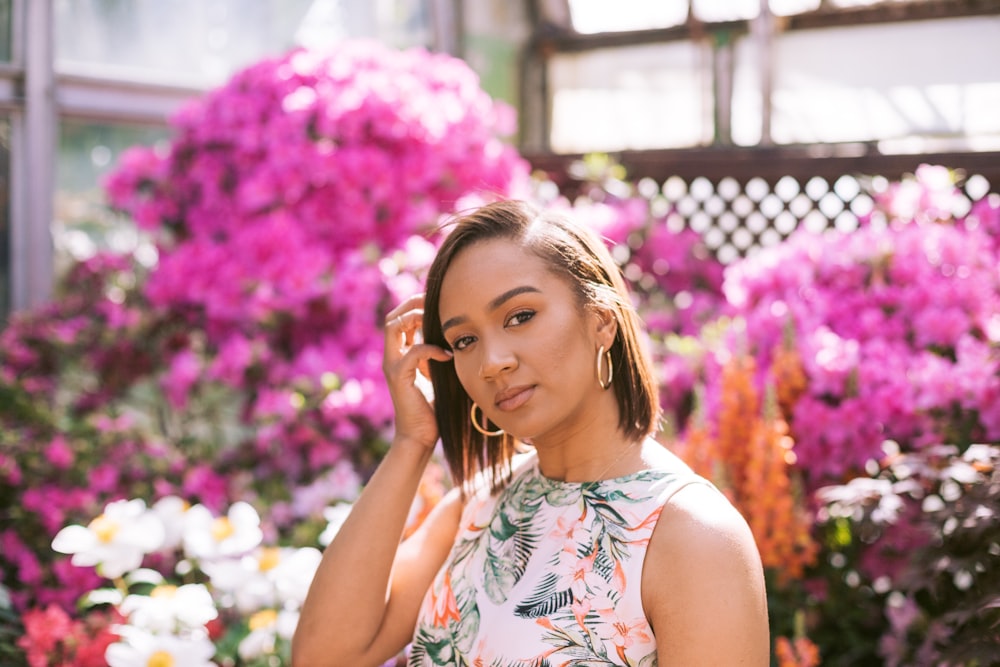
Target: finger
403, 328
425, 368
415, 302
409, 320
423, 352
416, 358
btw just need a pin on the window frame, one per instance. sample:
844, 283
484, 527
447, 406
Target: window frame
553, 35
37, 93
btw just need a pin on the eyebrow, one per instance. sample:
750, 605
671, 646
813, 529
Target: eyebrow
492, 305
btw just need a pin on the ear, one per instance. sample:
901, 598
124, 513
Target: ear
604, 323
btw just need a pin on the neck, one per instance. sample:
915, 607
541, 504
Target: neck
587, 444
589, 455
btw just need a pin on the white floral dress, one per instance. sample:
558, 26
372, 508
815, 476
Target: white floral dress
547, 573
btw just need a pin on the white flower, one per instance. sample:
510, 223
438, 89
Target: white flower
208, 537
293, 575
116, 541
335, 516
141, 648
266, 627
267, 577
171, 609
240, 582
172, 510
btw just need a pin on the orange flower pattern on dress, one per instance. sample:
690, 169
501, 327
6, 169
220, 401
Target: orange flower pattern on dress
547, 574
444, 605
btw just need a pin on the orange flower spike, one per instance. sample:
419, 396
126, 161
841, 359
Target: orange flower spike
807, 651
779, 525
789, 378
739, 408
784, 652
801, 652
697, 448
788, 371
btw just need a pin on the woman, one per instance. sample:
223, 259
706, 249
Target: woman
571, 537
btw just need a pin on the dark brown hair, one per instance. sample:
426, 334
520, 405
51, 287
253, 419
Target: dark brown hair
580, 257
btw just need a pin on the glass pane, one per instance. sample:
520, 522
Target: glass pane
83, 224
827, 87
5, 31
201, 42
733, 10
790, 7
5, 290
494, 35
640, 97
591, 16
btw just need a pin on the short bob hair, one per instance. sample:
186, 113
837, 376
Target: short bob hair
580, 257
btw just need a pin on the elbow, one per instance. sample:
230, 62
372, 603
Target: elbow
306, 653
300, 658
315, 652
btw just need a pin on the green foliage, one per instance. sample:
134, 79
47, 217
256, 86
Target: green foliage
913, 567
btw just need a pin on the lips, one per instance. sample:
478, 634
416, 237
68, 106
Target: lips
513, 397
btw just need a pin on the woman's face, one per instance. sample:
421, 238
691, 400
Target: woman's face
525, 350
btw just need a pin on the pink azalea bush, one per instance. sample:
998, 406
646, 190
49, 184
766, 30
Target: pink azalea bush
898, 327
895, 427
328, 171
293, 208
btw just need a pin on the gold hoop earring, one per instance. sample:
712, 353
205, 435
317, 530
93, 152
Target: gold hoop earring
601, 355
475, 422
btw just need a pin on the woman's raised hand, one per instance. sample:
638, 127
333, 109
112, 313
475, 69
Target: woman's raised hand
404, 357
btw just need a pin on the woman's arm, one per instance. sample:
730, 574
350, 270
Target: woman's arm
363, 602
703, 584
362, 605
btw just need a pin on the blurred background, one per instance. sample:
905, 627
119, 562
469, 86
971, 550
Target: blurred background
751, 116
202, 226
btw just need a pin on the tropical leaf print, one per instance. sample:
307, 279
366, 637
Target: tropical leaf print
512, 540
546, 600
507, 560
433, 646
546, 574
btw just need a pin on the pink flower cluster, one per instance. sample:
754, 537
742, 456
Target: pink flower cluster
899, 330
293, 208
275, 208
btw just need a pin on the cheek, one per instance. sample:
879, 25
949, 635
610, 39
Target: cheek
466, 371
561, 355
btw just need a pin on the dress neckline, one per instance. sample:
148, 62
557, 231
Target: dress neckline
550, 482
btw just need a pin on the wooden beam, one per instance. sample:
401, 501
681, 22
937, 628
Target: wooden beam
891, 12
771, 163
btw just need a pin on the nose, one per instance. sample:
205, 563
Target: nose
497, 359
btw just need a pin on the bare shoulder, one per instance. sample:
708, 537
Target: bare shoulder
699, 516
702, 580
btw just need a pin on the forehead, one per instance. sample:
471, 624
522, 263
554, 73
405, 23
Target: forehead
488, 268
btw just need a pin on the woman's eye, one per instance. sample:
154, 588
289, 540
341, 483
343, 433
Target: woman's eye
461, 342
520, 317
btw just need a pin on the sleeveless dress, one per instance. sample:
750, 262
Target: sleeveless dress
547, 573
